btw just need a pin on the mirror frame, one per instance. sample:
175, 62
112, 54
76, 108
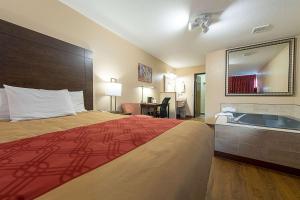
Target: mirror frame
292, 62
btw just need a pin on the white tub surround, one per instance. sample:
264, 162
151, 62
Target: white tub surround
273, 146
290, 110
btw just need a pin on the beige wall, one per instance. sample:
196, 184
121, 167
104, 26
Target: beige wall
215, 86
274, 75
113, 56
187, 76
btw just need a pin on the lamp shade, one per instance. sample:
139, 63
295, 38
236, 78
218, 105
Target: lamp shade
113, 89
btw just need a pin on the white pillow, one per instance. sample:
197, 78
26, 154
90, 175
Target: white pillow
4, 111
26, 103
78, 101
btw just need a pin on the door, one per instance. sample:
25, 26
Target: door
199, 96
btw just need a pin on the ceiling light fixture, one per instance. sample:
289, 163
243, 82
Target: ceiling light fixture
202, 21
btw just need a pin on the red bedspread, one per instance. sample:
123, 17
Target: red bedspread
31, 167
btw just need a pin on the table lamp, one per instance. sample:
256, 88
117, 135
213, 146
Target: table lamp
113, 89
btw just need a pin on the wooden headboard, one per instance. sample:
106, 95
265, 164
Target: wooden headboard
33, 60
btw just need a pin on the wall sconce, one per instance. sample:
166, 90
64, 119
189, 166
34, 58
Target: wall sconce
113, 89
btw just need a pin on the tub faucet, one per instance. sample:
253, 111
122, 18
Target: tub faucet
239, 117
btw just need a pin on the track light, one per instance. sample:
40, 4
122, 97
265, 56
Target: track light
202, 21
193, 25
207, 22
204, 28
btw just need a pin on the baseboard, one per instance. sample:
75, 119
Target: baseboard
189, 116
260, 163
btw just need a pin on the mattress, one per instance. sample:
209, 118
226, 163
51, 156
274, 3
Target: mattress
174, 165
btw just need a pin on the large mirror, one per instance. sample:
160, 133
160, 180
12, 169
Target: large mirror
265, 69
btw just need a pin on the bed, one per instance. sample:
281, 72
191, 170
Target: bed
174, 164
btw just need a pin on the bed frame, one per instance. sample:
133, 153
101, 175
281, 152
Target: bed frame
31, 59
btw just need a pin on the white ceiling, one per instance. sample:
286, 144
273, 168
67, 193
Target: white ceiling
160, 26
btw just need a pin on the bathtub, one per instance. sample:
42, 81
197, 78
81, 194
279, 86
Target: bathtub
264, 120
269, 138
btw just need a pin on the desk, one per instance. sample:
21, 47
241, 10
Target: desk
151, 105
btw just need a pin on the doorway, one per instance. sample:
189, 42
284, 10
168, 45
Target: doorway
199, 94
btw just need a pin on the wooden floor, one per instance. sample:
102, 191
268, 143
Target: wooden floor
240, 181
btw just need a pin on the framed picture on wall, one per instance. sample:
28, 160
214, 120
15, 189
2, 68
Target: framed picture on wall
144, 73
170, 84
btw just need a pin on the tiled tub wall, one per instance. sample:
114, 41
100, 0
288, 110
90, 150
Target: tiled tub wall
261, 144
283, 110
297, 111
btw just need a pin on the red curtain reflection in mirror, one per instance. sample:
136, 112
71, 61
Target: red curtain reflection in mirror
242, 84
